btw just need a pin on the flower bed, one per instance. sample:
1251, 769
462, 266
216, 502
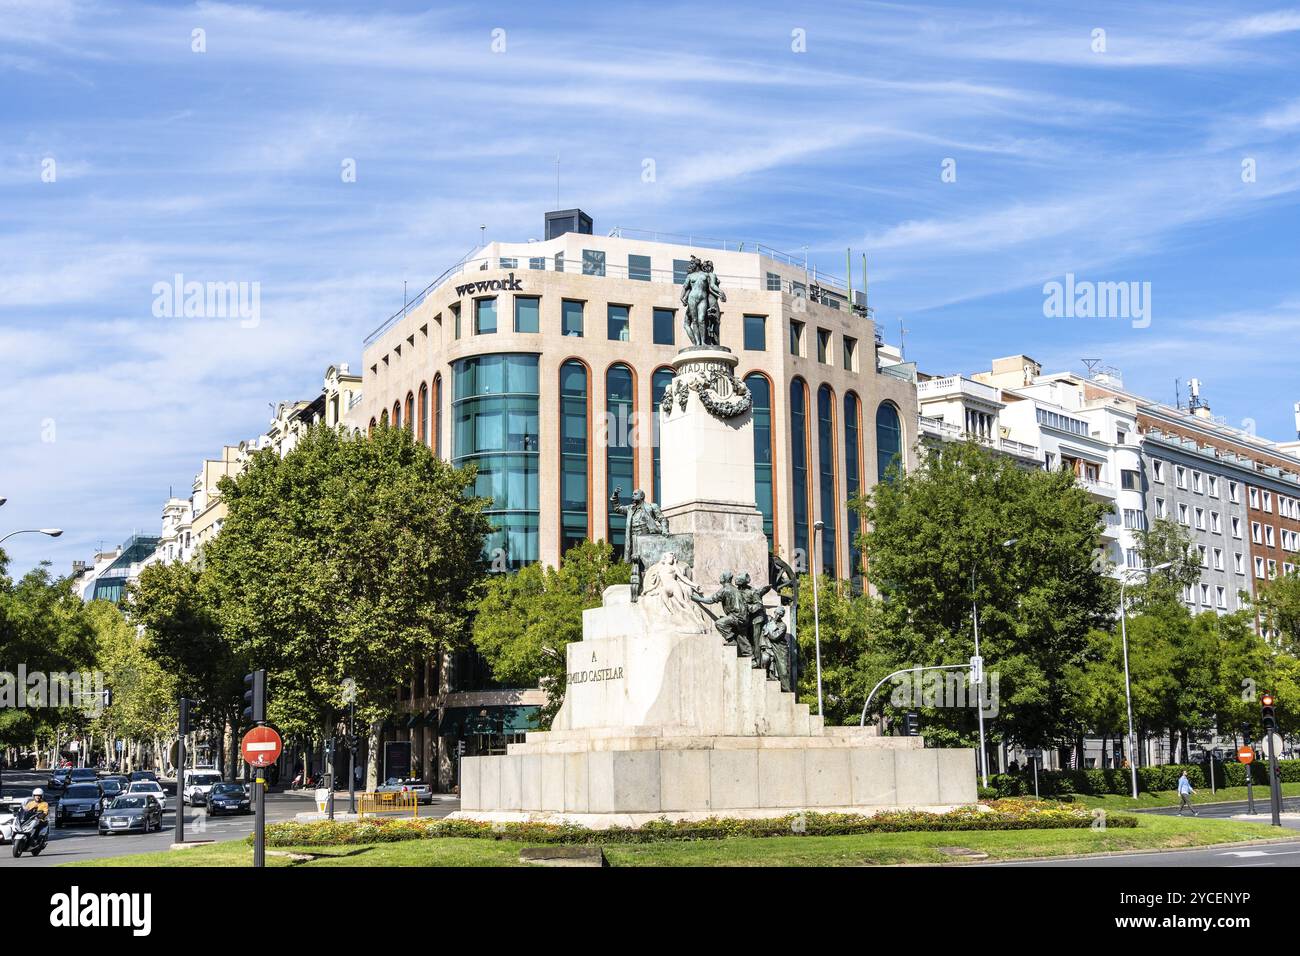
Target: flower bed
1008, 814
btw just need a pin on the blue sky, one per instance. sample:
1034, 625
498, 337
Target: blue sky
1122, 164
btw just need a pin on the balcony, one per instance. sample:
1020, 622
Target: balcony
955, 385
1099, 489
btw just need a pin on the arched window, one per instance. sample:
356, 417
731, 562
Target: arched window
437, 415
371, 431
620, 455
828, 479
410, 413
760, 390
853, 474
383, 418
889, 440
658, 385
494, 410
424, 413
397, 414
575, 463
799, 469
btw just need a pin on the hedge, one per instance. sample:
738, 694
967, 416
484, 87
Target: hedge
1002, 815
1093, 783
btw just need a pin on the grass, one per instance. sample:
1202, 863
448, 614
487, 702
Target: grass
1153, 832
1169, 798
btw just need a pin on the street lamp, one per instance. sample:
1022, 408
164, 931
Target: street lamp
817, 631
1128, 689
979, 686
52, 532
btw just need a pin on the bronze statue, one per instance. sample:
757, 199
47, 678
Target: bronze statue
734, 623
643, 518
757, 612
773, 649
701, 293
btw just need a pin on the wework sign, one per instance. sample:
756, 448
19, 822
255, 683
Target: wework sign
508, 284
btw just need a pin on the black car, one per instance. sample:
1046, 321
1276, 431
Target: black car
138, 775
83, 775
111, 788
131, 813
58, 778
79, 803
228, 798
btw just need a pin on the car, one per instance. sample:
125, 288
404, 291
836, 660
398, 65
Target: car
119, 778
423, 792
79, 803
111, 788
131, 812
149, 787
59, 778
228, 798
8, 808
142, 775
83, 775
197, 785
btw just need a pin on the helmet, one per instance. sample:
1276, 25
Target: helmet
38, 792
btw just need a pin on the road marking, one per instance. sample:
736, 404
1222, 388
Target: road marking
1245, 853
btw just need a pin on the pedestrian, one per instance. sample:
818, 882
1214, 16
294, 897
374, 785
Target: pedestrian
1185, 792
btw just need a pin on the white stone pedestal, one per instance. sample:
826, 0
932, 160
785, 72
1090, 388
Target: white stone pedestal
659, 723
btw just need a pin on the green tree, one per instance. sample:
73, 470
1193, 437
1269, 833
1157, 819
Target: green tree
44, 628
524, 621
144, 692
1279, 608
176, 606
936, 540
349, 558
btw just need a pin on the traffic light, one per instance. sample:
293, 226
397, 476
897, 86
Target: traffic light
185, 716
912, 724
1247, 734
329, 746
255, 697
1268, 714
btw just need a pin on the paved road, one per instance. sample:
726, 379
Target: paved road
1224, 810
69, 844
1271, 854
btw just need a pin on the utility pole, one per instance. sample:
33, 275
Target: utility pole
184, 729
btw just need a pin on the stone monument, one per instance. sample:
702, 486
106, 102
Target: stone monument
672, 710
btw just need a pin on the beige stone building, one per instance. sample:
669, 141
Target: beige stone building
543, 362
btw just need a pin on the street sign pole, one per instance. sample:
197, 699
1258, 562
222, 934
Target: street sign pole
180, 770
259, 824
1274, 780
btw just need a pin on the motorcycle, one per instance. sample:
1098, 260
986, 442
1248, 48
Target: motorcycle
29, 834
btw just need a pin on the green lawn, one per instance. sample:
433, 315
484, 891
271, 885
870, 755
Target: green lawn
1169, 798
1153, 832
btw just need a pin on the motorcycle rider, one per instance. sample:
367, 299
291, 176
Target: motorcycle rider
38, 805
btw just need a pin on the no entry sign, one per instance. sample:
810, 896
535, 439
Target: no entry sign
1245, 754
261, 747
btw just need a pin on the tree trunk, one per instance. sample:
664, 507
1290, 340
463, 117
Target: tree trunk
372, 754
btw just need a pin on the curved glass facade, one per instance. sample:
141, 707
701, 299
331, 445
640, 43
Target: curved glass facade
494, 415
889, 439
829, 503
761, 391
853, 474
658, 385
575, 486
799, 468
620, 456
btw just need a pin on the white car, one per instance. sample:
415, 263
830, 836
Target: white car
151, 788
198, 784
7, 810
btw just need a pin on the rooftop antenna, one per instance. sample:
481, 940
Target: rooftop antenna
1091, 366
902, 340
482, 234
1297, 419
403, 295
1178, 394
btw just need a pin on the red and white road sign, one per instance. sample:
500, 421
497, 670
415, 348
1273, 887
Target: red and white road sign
1245, 754
261, 747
